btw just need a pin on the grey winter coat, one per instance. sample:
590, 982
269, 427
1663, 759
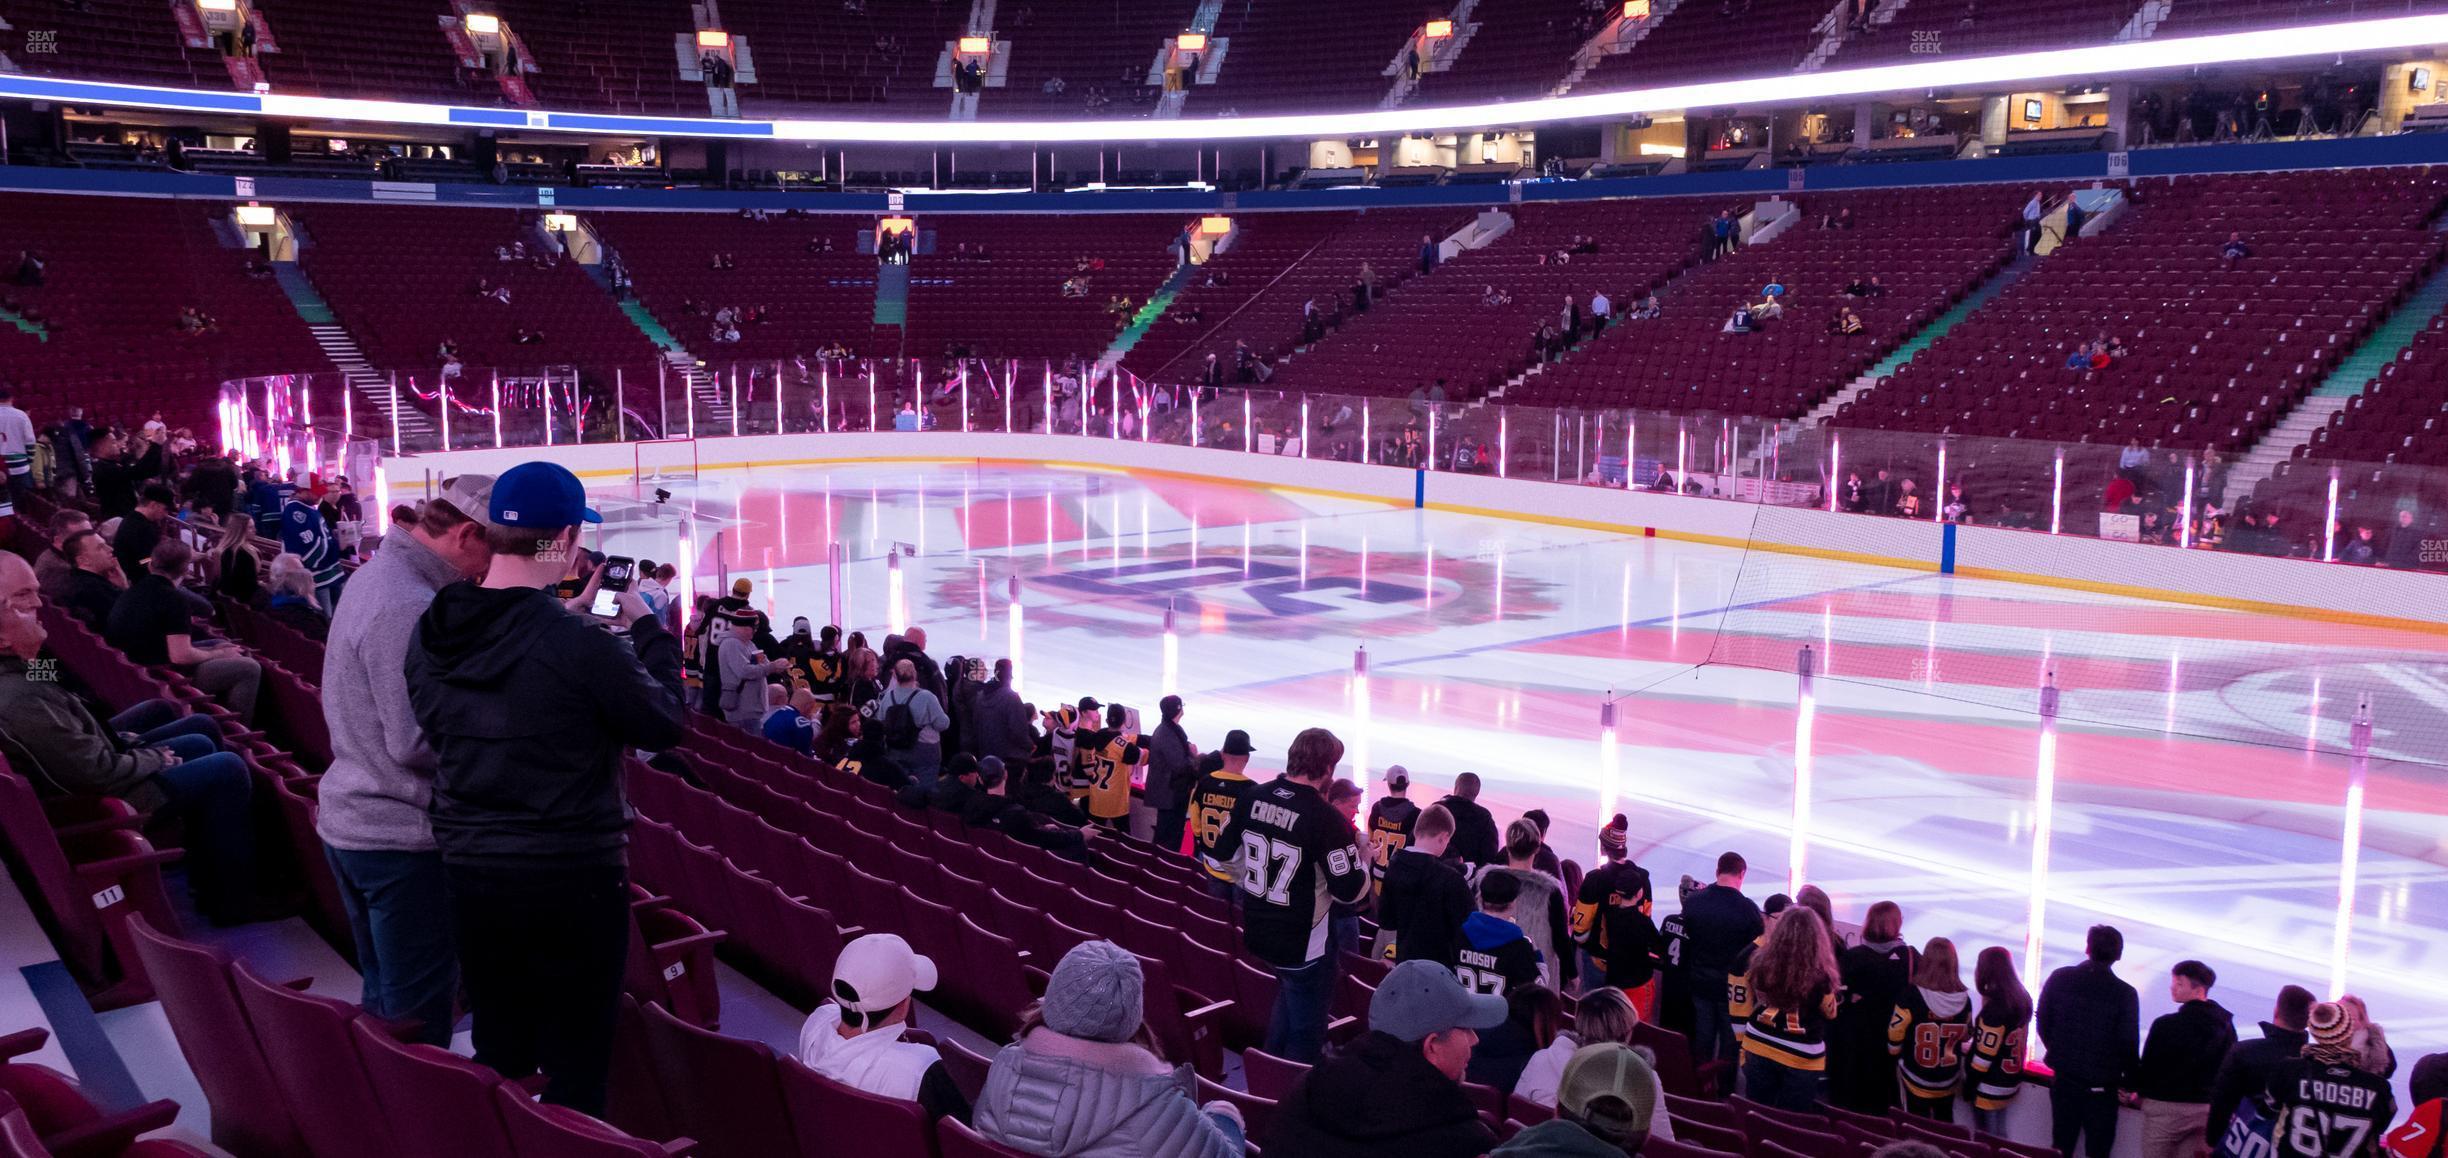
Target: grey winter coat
1065, 1097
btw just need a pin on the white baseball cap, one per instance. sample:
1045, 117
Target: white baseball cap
879, 971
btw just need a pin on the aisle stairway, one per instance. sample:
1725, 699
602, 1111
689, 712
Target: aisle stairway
1147, 316
713, 406
1928, 335
2344, 382
371, 386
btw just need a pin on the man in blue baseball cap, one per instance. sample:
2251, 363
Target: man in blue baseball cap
530, 706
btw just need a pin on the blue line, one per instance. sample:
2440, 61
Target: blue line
1419, 489
79, 1034
38, 88
667, 125
512, 119
1946, 551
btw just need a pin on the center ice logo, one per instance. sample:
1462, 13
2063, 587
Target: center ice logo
1271, 594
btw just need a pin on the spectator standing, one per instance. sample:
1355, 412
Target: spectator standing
531, 707
911, 645
911, 721
2180, 1062
1610, 1102
1396, 1091
1428, 255
1297, 857
1611, 920
856, 1038
1999, 1039
1475, 840
1426, 899
2419, 1135
1876, 974
374, 796
2244, 1074
1793, 992
1390, 822
1171, 759
153, 623
303, 533
743, 670
1107, 758
1001, 727
174, 764
1718, 921
1082, 1079
1223, 782
1541, 912
1495, 957
16, 446
1927, 1030
140, 530
117, 474
2088, 1016
2326, 1103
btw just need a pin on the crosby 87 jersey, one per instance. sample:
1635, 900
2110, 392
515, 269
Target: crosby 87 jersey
2328, 1110
1298, 857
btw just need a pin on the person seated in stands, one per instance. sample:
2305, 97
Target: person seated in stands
1850, 496
1774, 290
1646, 309
1954, 510
1118, 305
523, 336
991, 805
2235, 250
1075, 287
2153, 529
1908, 500
150, 755
500, 294
54, 567
1217, 277
501, 253
1740, 322
1841, 219
2080, 359
1846, 322
1081, 1077
288, 595
1398, 1087
1866, 287
2100, 357
94, 580
790, 720
1768, 310
855, 1038
2114, 348
952, 787
1545, 343
153, 623
1585, 244
29, 270
1492, 297
2360, 547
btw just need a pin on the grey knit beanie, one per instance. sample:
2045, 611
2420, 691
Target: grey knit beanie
1095, 993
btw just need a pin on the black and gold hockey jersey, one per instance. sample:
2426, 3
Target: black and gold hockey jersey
1106, 759
1926, 1035
1389, 832
1996, 1064
2328, 1110
1738, 988
1212, 802
1795, 1038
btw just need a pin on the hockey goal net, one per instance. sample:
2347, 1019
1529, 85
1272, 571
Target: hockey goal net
665, 460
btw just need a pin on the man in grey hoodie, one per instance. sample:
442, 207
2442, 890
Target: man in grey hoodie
373, 797
1079, 1083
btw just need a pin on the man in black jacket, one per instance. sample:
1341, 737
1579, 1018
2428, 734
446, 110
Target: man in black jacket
1718, 921
999, 723
531, 708
1396, 1091
2246, 1070
911, 645
2090, 1019
2180, 1061
1474, 840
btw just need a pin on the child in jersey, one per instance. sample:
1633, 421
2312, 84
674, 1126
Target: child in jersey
1495, 955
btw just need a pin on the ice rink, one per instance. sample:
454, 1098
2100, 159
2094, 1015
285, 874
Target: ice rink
2195, 791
